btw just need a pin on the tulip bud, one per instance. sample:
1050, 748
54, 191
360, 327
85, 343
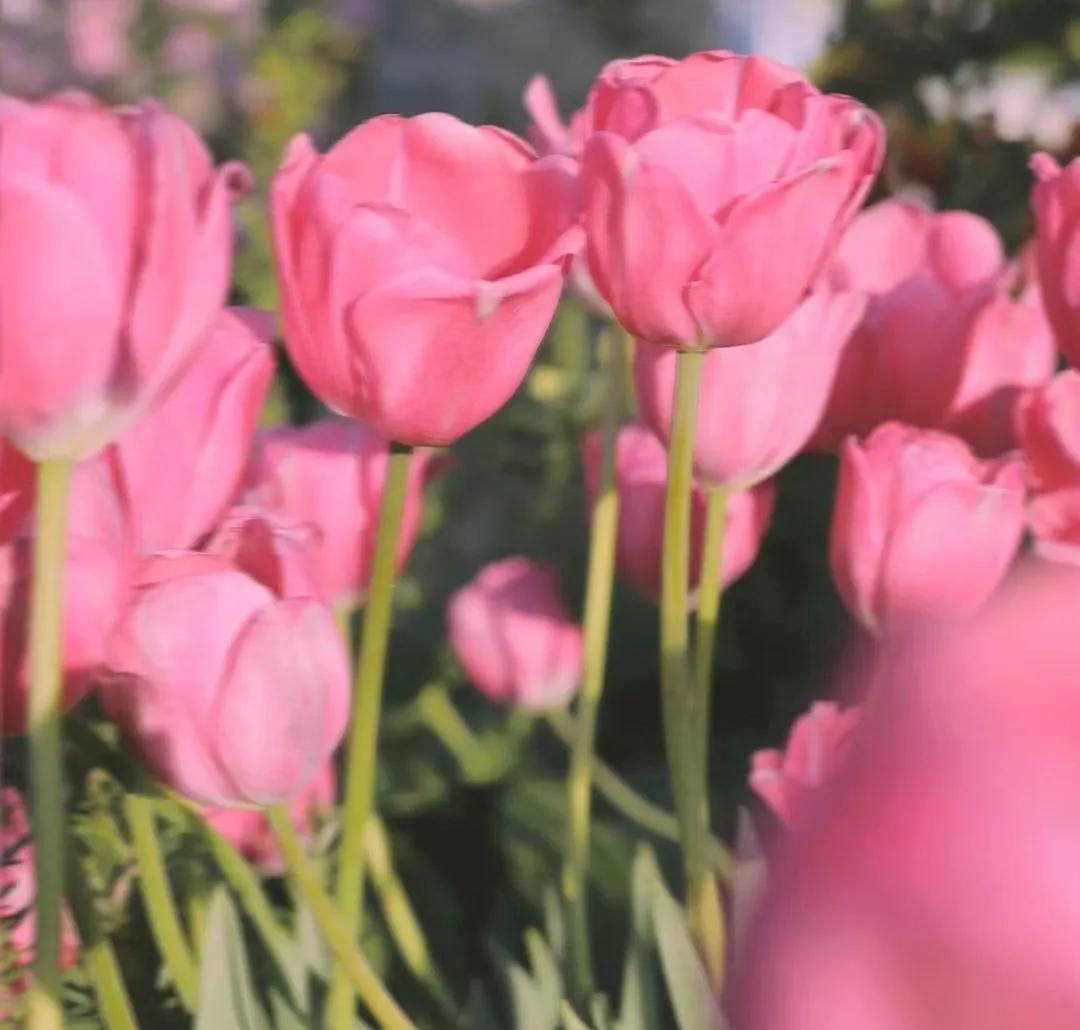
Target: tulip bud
1056, 202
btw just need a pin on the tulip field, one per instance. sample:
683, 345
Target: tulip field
610, 563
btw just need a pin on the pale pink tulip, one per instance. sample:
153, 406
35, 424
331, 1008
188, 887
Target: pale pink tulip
182, 465
758, 405
97, 34
1056, 201
330, 475
513, 636
115, 253
231, 695
16, 490
640, 480
921, 528
420, 262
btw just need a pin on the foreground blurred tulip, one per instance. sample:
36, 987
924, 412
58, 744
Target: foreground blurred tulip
18, 933
513, 636
934, 883
248, 830
115, 253
232, 696
1056, 200
690, 172
759, 404
16, 490
330, 475
921, 528
815, 748
640, 478
944, 343
199, 437
420, 262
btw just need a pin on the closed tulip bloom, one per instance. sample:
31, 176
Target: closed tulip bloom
115, 255
759, 404
640, 480
200, 436
921, 527
693, 170
16, 490
231, 695
330, 475
816, 746
513, 636
1056, 202
420, 262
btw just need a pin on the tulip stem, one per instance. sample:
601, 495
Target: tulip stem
339, 938
597, 620
680, 735
364, 723
44, 1009
161, 911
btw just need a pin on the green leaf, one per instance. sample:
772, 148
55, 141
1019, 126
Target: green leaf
640, 1006
570, 1019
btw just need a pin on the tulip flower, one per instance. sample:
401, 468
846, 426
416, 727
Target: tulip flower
759, 404
116, 234
330, 475
944, 342
921, 527
513, 636
692, 170
248, 830
1056, 201
16, 490
934, 882
815, 748
420, 262
640, 479
231, 695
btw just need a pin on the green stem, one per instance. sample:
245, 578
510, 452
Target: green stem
597, 620
113, 1003
337, 935
364, 723
44, 1009
158, 900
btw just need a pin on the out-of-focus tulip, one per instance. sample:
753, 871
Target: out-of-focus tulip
420, 262
934, 882
640, 479
921, 528
115, 253
95, 577
816, 745
231, 695
16, 490
248, 830
692, 169
330, 475
943, 342
513, 636
1056, 200
182, 465
17, 893
759, 404
97, 34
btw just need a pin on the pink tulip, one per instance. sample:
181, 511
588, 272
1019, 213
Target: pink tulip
921, 528
17, 893
513, 636
759, 404
1056, 200
943, 343
640, 479
420, 263
95, 577
16, 490
97, 33
330, 475
935, 882
231, 695
182, 465
116, 234
248, 830
692, 170
816, 746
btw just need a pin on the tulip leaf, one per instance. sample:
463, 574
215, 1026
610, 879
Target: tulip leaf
639, 1008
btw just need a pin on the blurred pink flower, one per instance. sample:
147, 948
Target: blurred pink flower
1055, 199
97, 33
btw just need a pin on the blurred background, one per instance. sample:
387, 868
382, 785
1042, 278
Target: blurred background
968, 88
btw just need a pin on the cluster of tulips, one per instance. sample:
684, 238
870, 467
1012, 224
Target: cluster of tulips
159, 549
